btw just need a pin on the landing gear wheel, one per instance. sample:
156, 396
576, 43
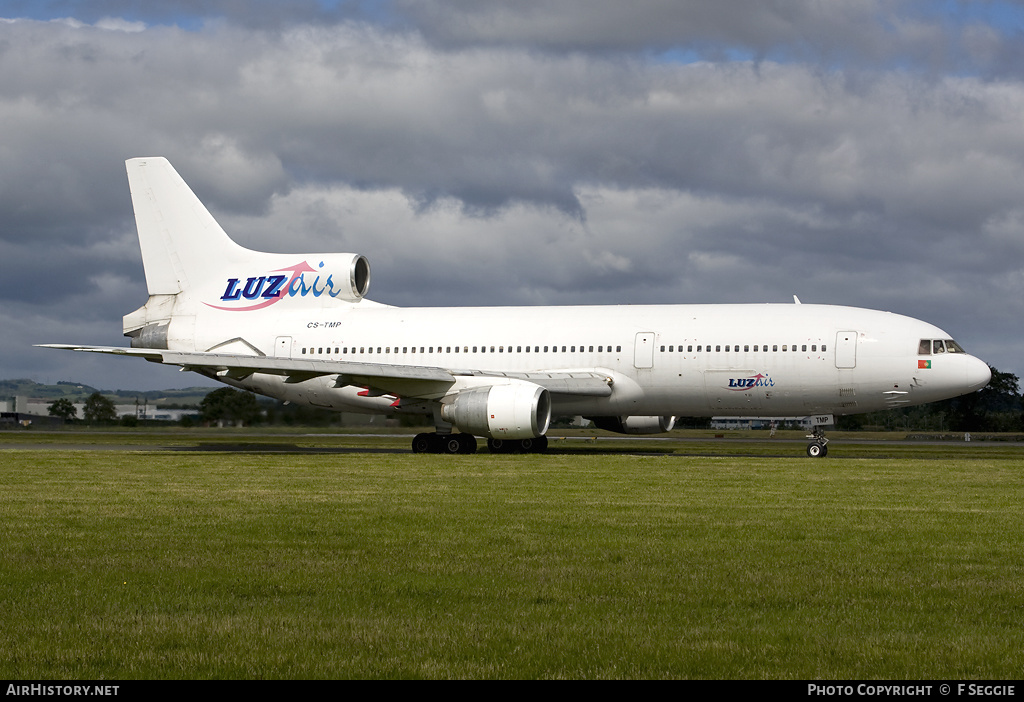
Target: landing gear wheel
817, 450
451, 444
423, 443
468, 443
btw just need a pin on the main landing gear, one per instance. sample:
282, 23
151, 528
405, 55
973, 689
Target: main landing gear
434, 442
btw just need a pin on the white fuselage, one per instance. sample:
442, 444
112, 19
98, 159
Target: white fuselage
685, 360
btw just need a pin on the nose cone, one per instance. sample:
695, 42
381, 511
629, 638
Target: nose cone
978, 374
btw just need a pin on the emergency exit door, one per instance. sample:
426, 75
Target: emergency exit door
643, 350
846, 349
283, 347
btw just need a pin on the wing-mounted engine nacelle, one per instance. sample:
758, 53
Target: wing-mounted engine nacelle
635, 424
517, 410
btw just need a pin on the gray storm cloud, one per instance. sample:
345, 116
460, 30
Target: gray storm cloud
555, 163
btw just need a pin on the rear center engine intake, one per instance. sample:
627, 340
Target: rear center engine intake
518, 410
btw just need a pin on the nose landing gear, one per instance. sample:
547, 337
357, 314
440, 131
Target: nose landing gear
818, 448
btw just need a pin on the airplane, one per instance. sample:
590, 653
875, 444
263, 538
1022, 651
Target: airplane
299, 328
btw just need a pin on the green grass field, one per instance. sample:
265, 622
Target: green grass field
580, 564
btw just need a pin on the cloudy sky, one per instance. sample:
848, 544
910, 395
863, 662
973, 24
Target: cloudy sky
853, 152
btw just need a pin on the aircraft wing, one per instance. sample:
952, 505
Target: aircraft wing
403, 380
593, 383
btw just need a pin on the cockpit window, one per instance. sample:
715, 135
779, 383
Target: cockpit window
929, 346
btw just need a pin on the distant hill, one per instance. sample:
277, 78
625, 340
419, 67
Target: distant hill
78, 392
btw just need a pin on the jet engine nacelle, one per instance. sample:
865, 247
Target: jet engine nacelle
263, 279
358, 277
635, 424
344, 276
517, 410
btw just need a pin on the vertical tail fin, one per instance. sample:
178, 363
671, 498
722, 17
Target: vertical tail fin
186, 255
182, 244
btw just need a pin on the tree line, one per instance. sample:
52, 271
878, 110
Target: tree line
999, 407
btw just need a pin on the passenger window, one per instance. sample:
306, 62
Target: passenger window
804, 347
814, 347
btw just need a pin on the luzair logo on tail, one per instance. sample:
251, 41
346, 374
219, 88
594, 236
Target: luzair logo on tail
274, 288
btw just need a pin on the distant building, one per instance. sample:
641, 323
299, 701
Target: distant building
40, 407
760, 422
